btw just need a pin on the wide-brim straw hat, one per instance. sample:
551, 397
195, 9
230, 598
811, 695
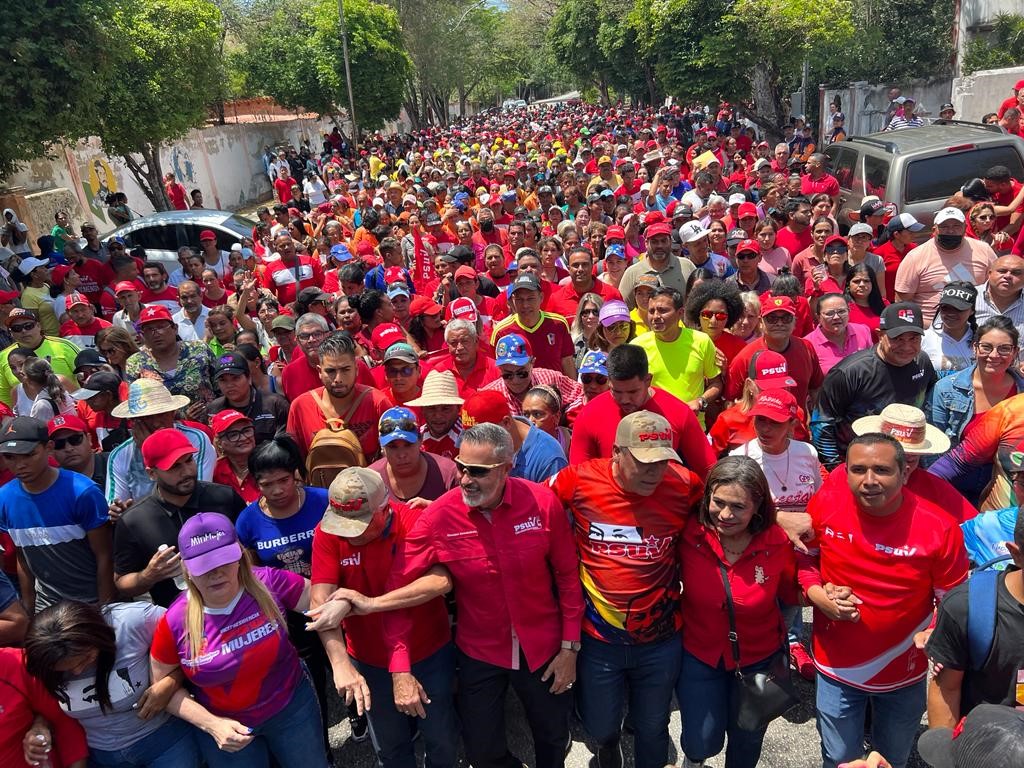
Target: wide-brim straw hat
439, 388
147, 397
908, 426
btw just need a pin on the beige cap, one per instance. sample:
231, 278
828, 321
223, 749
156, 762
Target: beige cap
647, 436
439, 388
353, 499
908, 425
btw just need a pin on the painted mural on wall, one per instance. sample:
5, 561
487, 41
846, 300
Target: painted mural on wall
98, 181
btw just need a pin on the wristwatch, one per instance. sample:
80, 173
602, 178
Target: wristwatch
702, 404
572, 645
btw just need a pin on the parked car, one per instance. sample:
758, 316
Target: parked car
161, 234
917, 169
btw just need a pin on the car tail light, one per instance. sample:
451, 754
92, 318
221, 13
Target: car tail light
962, 147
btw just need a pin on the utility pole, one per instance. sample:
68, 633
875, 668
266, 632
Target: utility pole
348, 80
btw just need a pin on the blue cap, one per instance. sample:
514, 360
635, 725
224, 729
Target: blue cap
512, 350
595, 361
615, 249
509, 195
341, 252
398, 424
398, 289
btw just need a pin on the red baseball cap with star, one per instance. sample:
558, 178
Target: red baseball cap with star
154, 313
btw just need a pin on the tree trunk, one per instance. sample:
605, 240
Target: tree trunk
769, 113
149, 175
602, 86
652, 90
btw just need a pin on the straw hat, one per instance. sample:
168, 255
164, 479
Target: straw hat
908, 425
439, 388
147, 397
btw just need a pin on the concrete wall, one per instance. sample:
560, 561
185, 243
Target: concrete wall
225, 162
864, 104
975, 18
976, 95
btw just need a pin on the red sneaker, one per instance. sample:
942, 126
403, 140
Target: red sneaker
801, 661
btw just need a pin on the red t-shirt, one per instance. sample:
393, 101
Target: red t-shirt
283, 189
83, 336
1008, 102
305, 419
627, 548
892, 258
1005, 198
827, 184
565, 299
794, 242
366, 569
484, 372
168, 297
801, 361
225, 475
94, 276
922, 482
279, 278
899, 565
176, 192
549, 339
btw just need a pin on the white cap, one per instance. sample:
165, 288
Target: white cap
949, 214
737, 199
692, 231
860, 228
236, 247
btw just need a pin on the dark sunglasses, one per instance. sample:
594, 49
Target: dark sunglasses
475, 470
22, 327
593, 378
397, 425
73, 440
405, 370
746, 256
509, 375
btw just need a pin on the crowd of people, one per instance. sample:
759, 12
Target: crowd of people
586, 402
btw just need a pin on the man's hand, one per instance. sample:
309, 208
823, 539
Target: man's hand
563, 669
797, 526
844, 602
874, 760
361, 604
352, 687
37, 742
329, 615
164, 564
154, 699
230, 735
117, 508
921, 638
409, 694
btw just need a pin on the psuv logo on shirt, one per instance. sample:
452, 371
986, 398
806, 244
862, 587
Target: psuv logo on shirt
895, 551
840, 535
626, 541
621, 533
352, 560
529, 524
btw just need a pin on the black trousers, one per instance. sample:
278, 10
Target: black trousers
480, 700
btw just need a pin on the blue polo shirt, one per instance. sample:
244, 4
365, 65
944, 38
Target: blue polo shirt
540, 457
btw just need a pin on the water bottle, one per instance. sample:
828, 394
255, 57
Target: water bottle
179, 580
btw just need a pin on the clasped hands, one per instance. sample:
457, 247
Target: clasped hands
341, 603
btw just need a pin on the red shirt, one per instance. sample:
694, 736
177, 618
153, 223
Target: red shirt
565, 299
516, 574
593, 435
892, 258
827, 185
922, 482
734, 427
283, 189
168, 297
366, 569
279, 278
1005, 198
627, 548
549, 339
96, 276
225, 475
176, 192
900, 565
730, 346
764, 574
446, 445
801, 361
484, 372
794, 242
305, 418
83, 336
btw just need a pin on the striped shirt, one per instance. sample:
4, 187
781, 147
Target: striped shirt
127, 478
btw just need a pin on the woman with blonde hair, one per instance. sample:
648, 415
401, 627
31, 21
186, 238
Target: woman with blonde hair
585, 330
117, 345
227, 634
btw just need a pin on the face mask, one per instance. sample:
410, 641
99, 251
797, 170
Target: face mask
486, 225
949, 242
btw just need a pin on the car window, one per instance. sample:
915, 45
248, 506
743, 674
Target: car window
876, 175
936, 178
154, 236
844, 163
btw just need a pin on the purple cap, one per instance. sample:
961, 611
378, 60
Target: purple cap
207, 541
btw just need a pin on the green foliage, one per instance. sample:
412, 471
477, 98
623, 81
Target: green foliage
1003, 47
56, 56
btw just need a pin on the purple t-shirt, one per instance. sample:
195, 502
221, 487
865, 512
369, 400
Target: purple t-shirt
247, 668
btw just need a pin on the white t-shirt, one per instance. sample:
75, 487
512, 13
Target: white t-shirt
793, 475
946, 353
315, 190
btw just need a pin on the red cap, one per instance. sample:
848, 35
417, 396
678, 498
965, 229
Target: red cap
8, 297
70, 422
125, 285
746, 210
164, 447
771, 304
748, 245
394, 275
662, 129
461, 308
770, 370
659, 228
58, 273
154, 312
484, 407
835, 239
76, 299
465, 271
364, 248
775, 404
1018, 85
386, 334
651, 144
653, 217
207, 234
423, 305
20, 313
615, 232
224, 419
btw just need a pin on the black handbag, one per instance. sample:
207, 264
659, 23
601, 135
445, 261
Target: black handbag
758, 697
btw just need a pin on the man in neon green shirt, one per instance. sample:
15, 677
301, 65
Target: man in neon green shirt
26, 331
681, 360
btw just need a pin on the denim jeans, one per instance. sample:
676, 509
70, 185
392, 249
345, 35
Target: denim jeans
793, 616
603, 672
293, 736
705, 699
393, 732
895, 717
172, 745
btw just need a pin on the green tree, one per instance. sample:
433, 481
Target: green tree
1002, 47
572, 36
56, 55
164, 74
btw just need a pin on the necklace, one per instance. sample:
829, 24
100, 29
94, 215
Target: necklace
781, 482
738, 552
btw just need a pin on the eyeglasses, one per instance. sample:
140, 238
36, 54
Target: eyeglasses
397, 425
73, 440
833, 313
509, 375
589, 312
707, 314
778, 318
238, 435
746, 256
476, 470
393, 372
310, 336
593, 378
1003, 350
22, 327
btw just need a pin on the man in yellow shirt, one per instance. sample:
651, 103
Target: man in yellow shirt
681, 360
26, 330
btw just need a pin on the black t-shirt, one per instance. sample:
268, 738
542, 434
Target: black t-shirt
151, 522
267, 411
996, 682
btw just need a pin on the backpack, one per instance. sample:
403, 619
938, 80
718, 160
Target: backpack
335, 447
982, 597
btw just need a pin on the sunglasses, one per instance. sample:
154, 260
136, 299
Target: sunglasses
593, 378
73, 440
509, 375
22, 327
589, 312
392, 372
475, 470
746, 256
708, 314
397, 425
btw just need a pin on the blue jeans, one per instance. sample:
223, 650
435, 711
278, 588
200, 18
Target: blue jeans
651, 670
293, 736
895, 717
793, 616
705, 704
172, 745
393, 732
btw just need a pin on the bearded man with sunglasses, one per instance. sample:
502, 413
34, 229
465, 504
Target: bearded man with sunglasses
25, 329
73, 451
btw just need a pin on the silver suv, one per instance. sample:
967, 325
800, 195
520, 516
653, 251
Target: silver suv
918, 169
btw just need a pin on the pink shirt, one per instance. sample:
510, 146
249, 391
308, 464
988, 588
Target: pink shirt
858, 337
